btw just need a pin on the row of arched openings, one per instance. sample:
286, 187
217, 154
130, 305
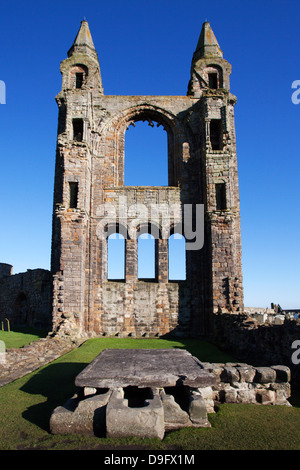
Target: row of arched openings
146, 257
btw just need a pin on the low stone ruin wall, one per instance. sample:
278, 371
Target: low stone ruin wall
259, 344
241, 383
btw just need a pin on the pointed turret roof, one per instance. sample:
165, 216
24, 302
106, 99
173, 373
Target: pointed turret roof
83, 42
208, 45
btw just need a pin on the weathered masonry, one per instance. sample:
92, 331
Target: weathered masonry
25, 297
91, 201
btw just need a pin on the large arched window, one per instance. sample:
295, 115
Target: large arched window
177, 257
146, 155
116, 257
146, 257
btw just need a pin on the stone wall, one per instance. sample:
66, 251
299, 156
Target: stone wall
5, 270
258, 344
93, 162
242, 383
25, 299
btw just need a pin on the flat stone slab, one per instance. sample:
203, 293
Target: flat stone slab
115, 368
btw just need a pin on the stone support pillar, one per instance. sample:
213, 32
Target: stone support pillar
162, 260
131, 260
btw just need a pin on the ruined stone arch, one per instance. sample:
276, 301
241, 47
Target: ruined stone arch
111, 143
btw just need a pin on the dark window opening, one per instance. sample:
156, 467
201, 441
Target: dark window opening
213, 80
79, 80
78, 129
73, 195
216, 134
221, 204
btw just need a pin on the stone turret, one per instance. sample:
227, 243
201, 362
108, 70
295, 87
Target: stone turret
208, 70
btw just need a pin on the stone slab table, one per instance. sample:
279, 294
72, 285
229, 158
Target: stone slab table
114, 368
104, 404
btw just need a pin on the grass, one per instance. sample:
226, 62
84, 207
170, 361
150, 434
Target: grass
26, 405
19, 337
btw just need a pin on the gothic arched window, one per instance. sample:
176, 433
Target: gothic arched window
116, 257
177, 257
146, 256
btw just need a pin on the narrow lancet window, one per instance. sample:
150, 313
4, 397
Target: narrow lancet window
177, 257
78, 130
146, 257
213, 80
221, 203
79, 79
73, 187
216, 134
116, 257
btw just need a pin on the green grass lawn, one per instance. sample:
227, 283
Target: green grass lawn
27, 403
17, 338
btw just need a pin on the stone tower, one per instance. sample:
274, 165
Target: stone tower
91, 202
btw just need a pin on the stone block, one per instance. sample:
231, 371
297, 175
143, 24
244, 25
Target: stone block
282, 391
174, 416
216, 370
230, 395
198, 411
123, 421
61, 420
114, 368
265, 397
208, 395
81, 417
230, 374
247, 373
87, 391
283, 373
265, 375
246, 396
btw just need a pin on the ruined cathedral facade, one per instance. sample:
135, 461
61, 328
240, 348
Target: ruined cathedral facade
91, 202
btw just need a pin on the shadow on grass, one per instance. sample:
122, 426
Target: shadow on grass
56, 383
205, 351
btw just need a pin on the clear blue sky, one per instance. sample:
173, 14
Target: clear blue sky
145, 48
